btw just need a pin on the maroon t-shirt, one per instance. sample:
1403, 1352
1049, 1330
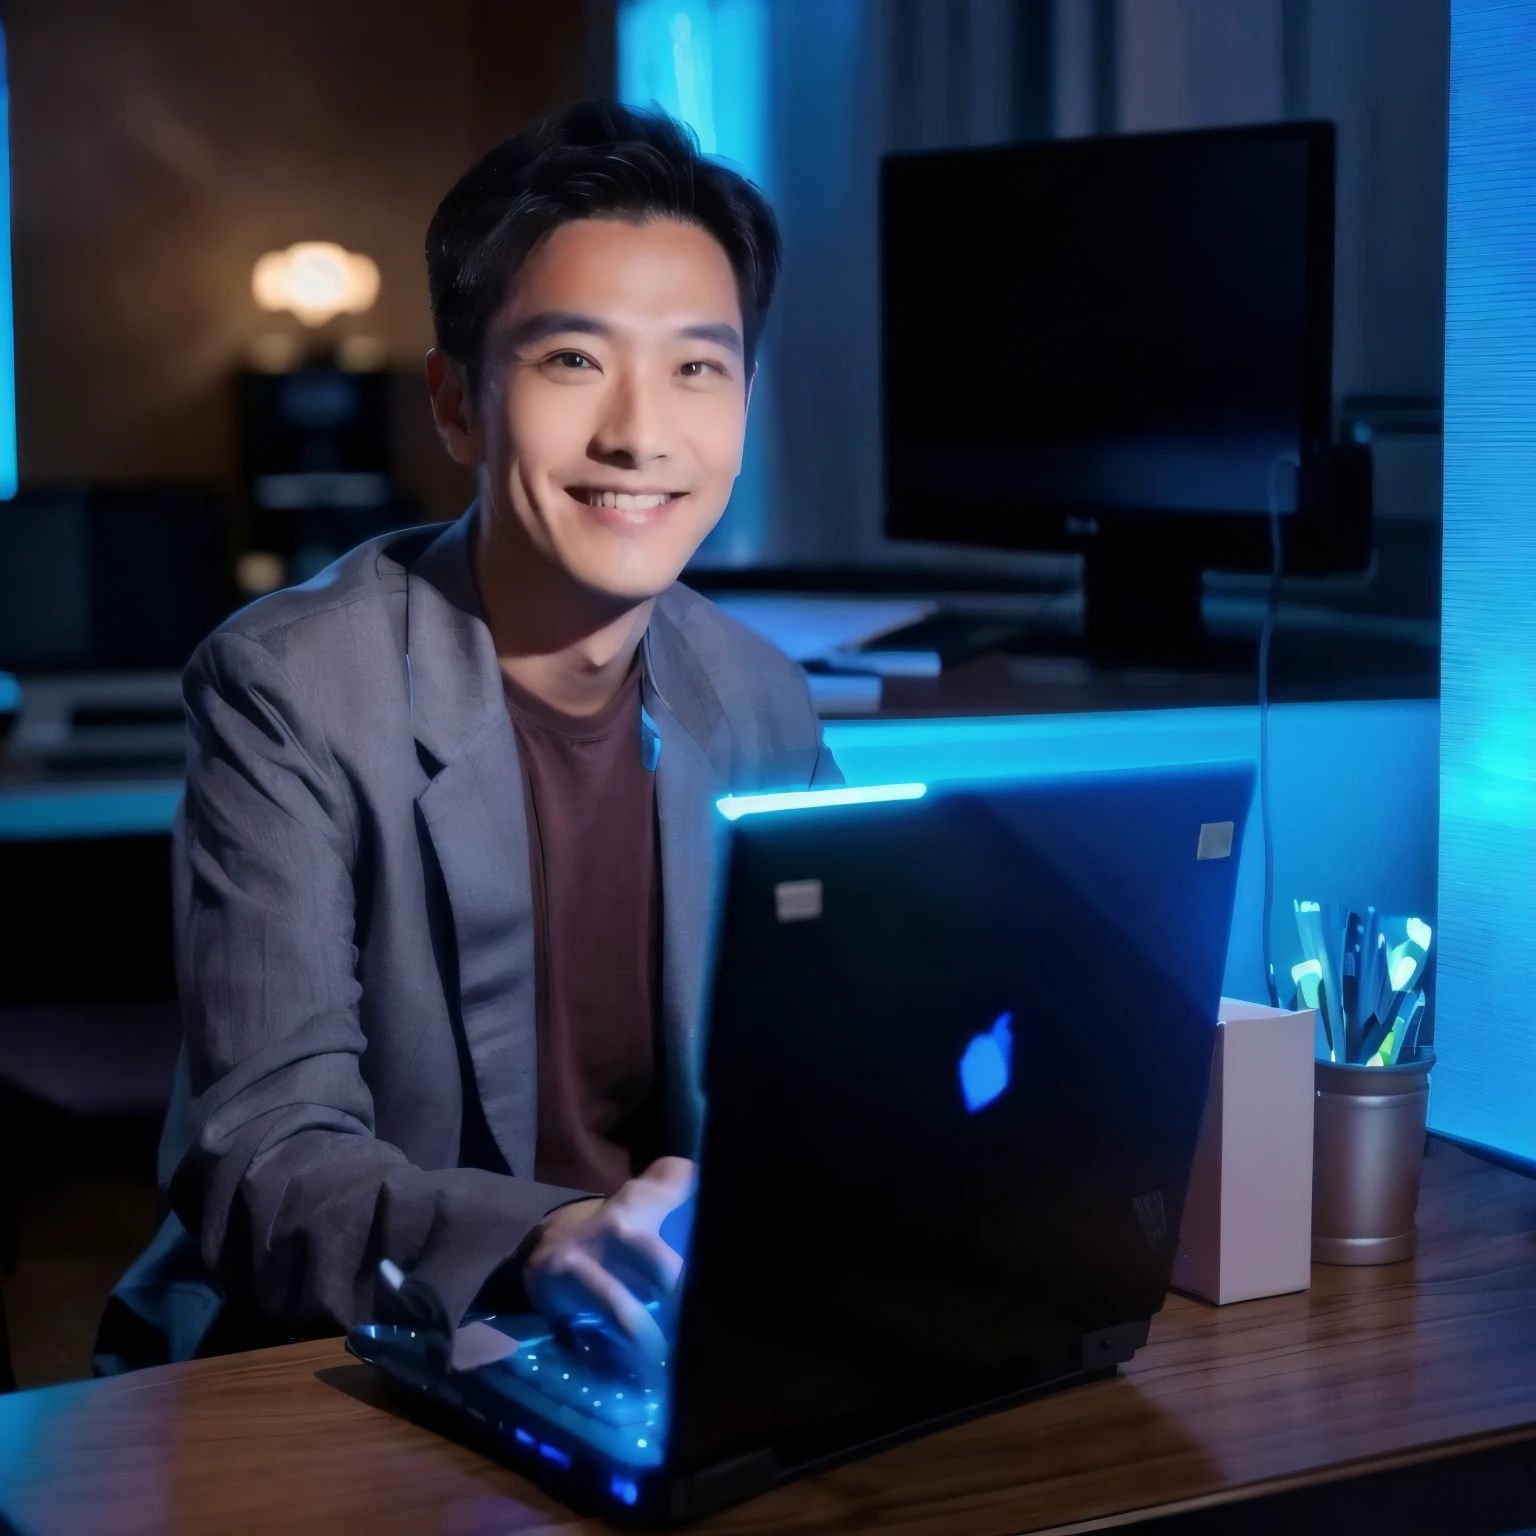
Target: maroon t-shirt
595, 870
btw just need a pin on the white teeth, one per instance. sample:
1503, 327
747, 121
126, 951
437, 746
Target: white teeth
622, 502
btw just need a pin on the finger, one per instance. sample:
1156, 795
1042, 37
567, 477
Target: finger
568, 1284
644, 1258
675, 1176
607, 1295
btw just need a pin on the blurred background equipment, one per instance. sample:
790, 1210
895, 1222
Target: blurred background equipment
109, 577
316, 423
317, 450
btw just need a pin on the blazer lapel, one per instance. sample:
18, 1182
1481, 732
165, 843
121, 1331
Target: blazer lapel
472, 811
692, 771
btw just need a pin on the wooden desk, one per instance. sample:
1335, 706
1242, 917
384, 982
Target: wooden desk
1429, 1364
1307, 666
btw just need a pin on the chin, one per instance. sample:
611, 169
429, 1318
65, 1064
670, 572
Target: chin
631, 581
630, 573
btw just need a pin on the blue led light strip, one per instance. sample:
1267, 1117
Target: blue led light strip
1485, 1030
733, 807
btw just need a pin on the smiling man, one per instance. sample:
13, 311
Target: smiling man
447, 861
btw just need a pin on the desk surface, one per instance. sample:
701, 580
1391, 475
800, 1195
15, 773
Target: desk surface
1371, 1368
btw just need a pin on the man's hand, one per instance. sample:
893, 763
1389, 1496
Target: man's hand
607, 1257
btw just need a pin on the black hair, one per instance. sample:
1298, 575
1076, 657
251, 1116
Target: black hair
594, 159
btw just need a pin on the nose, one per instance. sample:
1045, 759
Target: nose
633, 430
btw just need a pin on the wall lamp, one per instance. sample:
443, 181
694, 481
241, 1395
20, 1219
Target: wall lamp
316, 280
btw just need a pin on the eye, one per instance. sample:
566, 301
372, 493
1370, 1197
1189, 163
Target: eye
699, 368
572, 360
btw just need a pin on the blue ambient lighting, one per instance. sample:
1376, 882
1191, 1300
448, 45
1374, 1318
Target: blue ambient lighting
35, 812
987, 1063
733, 807
7, 333
624, 1490
1343, 827
1485, 1077
706, 62
555, 1454
524, 1438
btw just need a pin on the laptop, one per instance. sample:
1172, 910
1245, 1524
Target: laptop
961, 1039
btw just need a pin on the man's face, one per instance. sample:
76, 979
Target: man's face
613, 402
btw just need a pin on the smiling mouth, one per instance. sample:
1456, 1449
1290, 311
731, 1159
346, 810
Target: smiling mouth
623, 501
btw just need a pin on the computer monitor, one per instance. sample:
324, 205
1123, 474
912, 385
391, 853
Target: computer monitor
110, 578
1121, 346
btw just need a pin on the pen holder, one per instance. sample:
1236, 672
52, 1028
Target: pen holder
1369, 1125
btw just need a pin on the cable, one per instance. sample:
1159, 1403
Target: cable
1265, 636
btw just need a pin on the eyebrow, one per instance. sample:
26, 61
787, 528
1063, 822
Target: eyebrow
564, 322
553, 322
718, 331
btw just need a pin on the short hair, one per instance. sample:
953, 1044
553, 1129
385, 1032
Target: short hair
594, 159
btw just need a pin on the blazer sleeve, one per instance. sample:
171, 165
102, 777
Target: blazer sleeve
825, 773
291, 1195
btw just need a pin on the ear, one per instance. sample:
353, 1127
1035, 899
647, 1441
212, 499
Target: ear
746, 415
453, 408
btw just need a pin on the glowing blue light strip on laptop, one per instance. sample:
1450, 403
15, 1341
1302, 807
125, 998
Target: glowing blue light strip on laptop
733, 807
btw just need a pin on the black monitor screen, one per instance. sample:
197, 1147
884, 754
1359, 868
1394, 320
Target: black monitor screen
103, 578
1133, 325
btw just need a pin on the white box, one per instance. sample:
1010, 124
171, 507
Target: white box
1247, 1228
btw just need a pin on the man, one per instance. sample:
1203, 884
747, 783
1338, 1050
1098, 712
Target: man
446, 863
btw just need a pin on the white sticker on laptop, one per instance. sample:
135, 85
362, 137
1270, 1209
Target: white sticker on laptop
1215, 840
797, 901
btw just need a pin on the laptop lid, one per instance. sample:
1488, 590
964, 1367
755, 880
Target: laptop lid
960, 1050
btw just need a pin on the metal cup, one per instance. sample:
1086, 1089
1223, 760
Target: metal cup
1368, 1134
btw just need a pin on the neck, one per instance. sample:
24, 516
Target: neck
568, 646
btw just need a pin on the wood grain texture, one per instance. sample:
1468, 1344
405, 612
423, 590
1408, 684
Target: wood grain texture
1370, 1368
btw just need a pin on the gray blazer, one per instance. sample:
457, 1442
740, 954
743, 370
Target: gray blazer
355, 940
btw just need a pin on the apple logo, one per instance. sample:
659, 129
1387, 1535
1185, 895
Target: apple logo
984, 1067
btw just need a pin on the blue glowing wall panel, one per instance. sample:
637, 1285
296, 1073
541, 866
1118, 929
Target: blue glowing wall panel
1485, 1083
7, 335
706, 63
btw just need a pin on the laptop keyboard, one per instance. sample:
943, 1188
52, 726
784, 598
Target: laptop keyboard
590, 1381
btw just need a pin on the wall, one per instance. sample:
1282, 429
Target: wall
160, 147
1378, 70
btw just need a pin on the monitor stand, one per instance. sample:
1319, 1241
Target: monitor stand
1141, 606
